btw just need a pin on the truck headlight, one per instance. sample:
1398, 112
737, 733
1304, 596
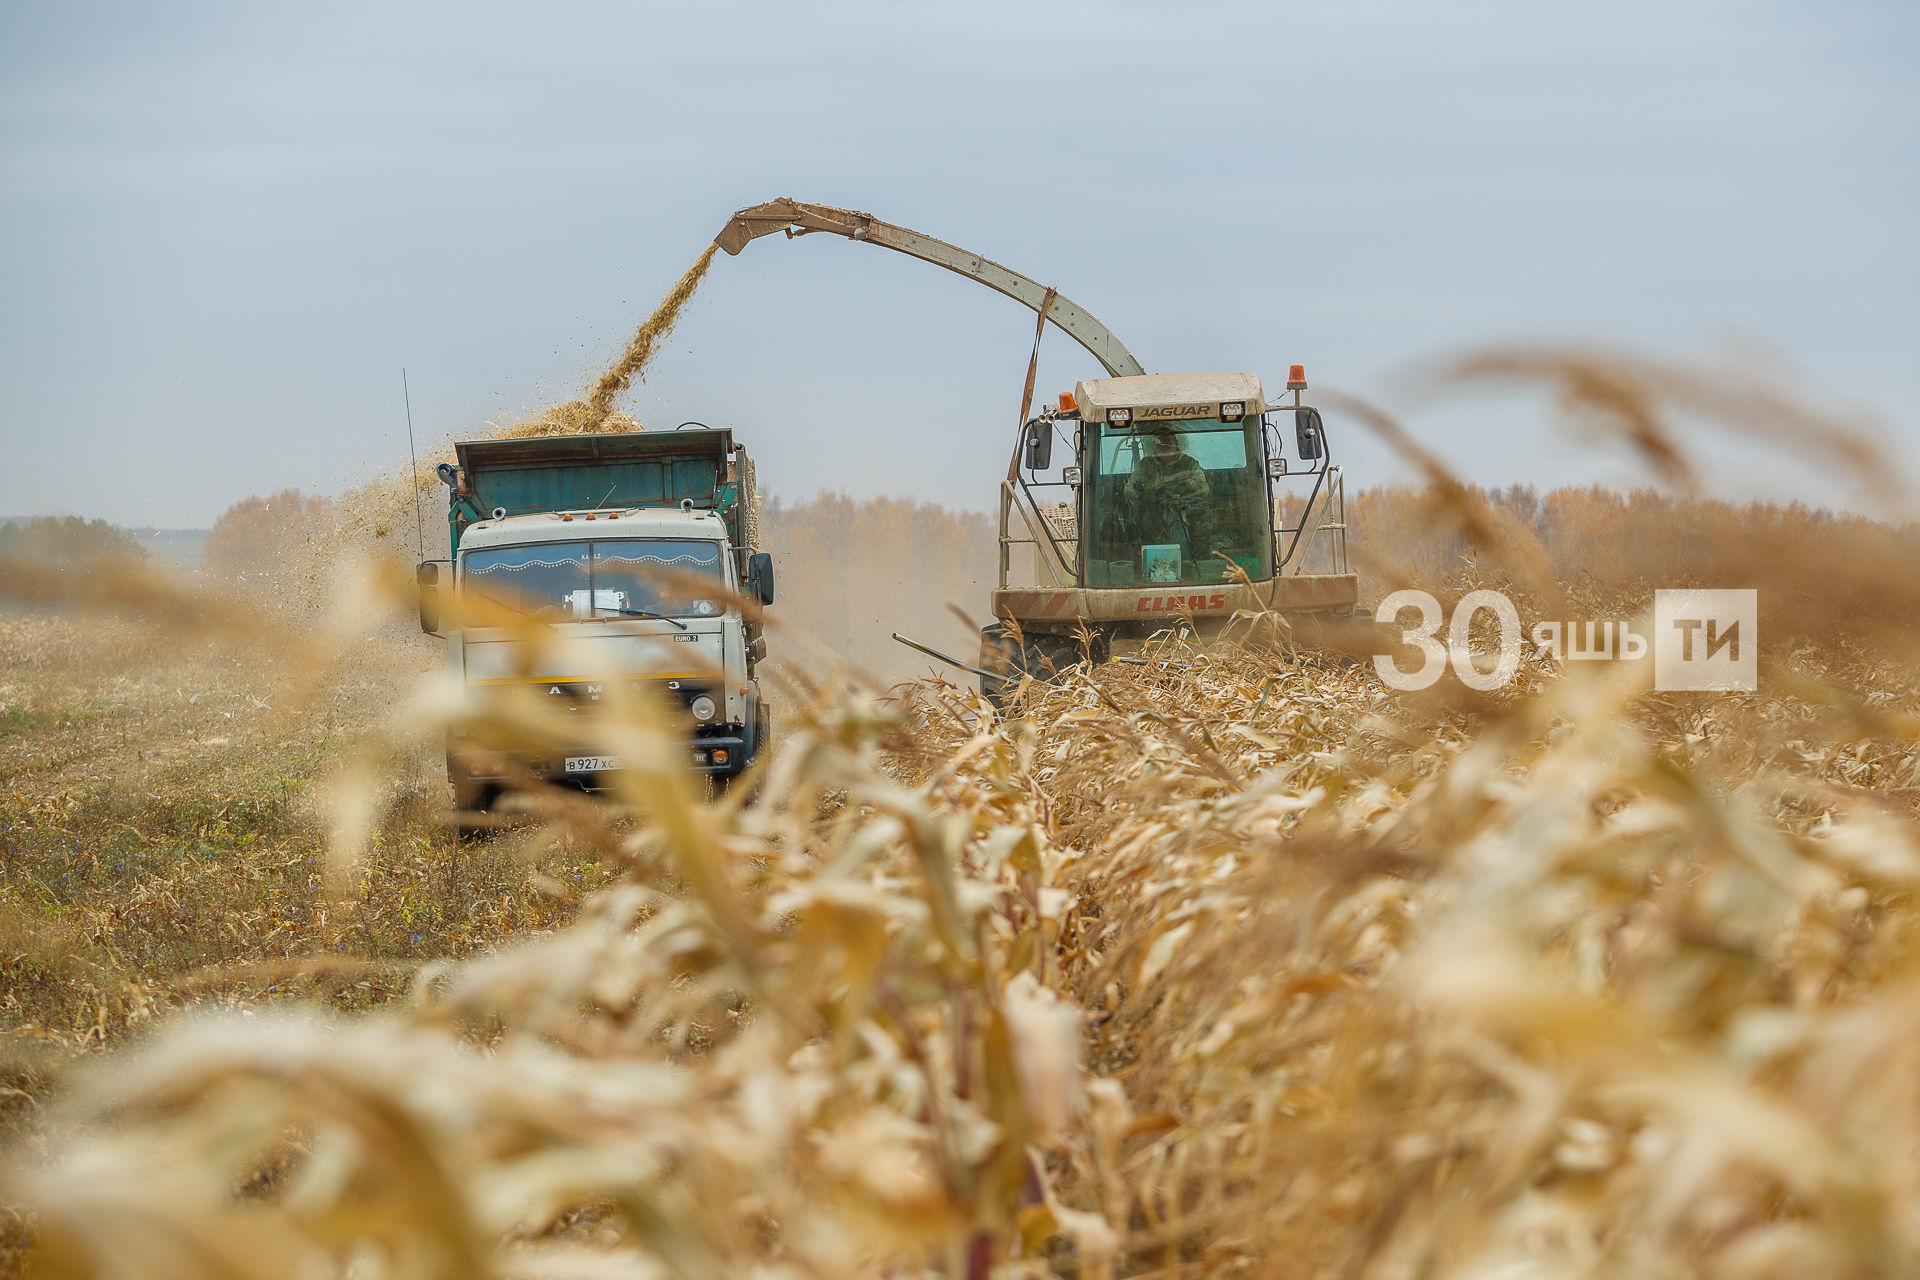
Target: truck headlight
1233, 410
1119, 417
702, 707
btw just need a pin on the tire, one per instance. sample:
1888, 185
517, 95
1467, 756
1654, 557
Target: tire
759, 737
999, 653
471, 798
1042, 657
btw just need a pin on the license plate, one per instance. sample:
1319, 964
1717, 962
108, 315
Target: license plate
592, 764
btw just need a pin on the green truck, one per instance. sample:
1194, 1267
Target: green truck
612, 541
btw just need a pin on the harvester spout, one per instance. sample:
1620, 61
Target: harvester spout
791, 217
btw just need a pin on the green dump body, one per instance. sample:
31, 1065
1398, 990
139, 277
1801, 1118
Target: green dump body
605, 472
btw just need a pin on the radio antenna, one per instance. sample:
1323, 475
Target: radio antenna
419, 534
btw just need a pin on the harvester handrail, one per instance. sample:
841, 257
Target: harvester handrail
1330, 494
1299, 530
797, 219
1011, 499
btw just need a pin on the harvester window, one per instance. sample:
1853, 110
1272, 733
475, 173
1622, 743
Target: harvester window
576, 581
1167, 500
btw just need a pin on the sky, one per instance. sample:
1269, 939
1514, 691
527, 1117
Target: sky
226, 229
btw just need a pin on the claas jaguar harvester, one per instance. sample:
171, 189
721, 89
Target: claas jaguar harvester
1139, 502
590, 567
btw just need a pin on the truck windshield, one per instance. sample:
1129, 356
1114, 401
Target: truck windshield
575, 581
1166, 502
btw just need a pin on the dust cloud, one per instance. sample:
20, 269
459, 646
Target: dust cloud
851, 572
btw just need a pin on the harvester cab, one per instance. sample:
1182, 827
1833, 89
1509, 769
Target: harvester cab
1176, 479
1178, 506
1143, 502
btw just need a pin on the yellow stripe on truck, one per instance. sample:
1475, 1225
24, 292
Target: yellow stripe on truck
708, 674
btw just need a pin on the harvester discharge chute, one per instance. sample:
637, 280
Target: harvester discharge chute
796, 219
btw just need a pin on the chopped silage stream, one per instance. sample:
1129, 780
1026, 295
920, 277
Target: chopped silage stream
377, 519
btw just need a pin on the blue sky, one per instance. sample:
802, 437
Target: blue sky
224, 229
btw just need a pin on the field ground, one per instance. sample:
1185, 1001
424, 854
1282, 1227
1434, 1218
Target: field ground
162, 835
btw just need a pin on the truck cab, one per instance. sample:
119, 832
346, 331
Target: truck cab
581, 600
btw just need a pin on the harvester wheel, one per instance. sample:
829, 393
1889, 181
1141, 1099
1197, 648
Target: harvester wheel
1043, 656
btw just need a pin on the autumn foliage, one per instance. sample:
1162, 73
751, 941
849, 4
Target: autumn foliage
260, 535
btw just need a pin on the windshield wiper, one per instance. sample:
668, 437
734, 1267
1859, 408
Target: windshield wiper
640, 613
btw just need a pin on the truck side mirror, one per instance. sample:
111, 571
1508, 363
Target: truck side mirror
760, 577
427, 578
1039, 445
1307, 432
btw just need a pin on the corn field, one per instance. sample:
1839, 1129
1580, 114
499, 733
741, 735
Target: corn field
1234, 962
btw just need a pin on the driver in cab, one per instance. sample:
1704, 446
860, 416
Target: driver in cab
1169, 492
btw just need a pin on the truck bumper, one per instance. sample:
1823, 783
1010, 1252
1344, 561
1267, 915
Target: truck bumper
477, 773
